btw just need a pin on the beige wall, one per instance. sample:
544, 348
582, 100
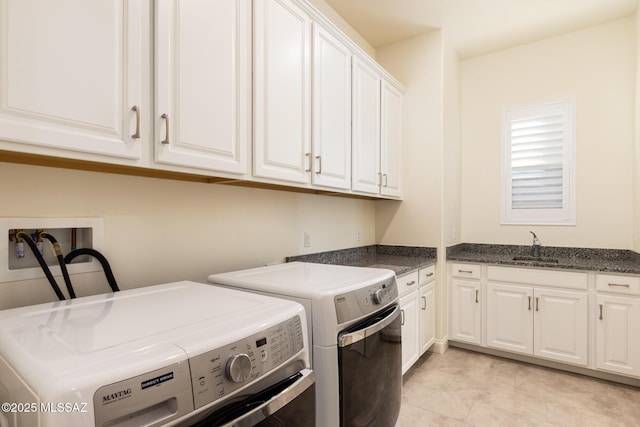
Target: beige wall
596, 66
417, 64
160, 230
636, 229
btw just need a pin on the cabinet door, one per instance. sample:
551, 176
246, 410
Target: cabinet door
366, 128
409, 314
331, 111
465, 311
560, 325
391, 141
202, 84
71, 76
282, 86
618, 334
427, 317
510, 318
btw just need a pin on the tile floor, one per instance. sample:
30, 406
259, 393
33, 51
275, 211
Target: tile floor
463, 388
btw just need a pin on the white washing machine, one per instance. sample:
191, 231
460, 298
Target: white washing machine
176, 354
354, 325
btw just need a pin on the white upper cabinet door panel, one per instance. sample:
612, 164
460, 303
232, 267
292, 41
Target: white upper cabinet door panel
282, 86
202, 84
331, 111
71, 74
366, 128
391, 141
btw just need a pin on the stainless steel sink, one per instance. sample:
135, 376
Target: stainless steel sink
536, 259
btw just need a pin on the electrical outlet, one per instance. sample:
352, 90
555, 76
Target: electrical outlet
89, 233
307, 239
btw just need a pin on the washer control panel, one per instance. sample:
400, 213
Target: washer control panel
218, 372
358, 303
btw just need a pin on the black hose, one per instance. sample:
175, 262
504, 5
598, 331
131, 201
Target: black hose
63, 267
103, 261
43, 264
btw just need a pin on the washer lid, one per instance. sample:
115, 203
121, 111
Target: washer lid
96, 340
304, 280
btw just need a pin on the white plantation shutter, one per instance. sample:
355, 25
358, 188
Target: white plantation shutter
538, 153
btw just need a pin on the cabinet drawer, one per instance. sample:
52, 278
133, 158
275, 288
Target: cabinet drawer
619, 284
407, 283
471, 271
427, 274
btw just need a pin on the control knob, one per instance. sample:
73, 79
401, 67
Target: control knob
238, 368
378, 295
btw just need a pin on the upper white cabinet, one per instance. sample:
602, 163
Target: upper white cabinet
391, 141
331, 141
202, 84
71, 77
366, 128
282, 85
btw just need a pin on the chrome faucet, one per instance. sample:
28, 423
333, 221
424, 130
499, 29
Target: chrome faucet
535, 249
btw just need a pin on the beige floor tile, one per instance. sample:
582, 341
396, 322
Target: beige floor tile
462, 387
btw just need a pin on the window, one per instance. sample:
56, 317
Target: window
538, 164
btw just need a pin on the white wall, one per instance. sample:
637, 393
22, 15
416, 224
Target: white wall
161, 230
416, 221
636, 229
596, 66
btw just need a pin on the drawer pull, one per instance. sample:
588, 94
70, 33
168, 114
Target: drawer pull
619, 285
429, 274
136, 135
165, 116
424, 303
465, 271
529, 303
411, 283
600, 311
476, 297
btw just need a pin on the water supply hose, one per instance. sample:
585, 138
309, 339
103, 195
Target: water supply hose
63, 267
101, 258
43, 264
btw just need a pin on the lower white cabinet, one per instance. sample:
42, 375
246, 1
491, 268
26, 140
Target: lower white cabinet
546, 323
417, 308
618, 334
466, 321
427, 316
410, 341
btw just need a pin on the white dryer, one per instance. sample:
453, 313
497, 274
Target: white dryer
175, 354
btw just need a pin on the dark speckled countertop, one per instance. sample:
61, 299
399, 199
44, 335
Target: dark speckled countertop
401, 259
606, 260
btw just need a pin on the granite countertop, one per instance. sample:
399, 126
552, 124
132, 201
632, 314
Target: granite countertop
606, 260
400, 259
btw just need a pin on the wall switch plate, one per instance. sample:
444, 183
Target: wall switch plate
89, 234
307, 239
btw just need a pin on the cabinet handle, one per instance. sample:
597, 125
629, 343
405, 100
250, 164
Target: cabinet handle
429, 274
619, 285
385, 179
136, 135
476, 296
537, 304
411, 283
165, 116
600, 311
308, 155
465, 271
402, 317
424, 303
319, 171
529, 303
379, 179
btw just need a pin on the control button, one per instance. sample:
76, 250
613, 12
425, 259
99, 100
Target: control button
263, 355
378, 296
238, 368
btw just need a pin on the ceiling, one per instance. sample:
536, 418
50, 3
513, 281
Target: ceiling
476, 27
